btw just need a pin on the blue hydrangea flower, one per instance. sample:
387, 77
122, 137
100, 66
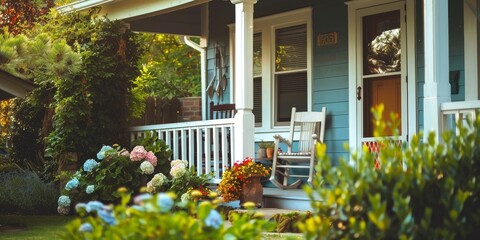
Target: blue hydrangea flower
80, 206
73, 183
107, 217
102, 154
213, 219
164, 202
90, 189
94, 206
64, 201
142, 198
85, 227
89, 165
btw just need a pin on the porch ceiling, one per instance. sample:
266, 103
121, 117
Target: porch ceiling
171, 23
181, 17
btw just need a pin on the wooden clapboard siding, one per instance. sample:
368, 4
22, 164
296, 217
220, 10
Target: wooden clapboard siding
330, 74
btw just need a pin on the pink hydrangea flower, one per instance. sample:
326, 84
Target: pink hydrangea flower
125, 153
138, 153
151, 158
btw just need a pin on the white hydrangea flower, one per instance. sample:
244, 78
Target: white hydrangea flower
179, 161
178, 170
146, 167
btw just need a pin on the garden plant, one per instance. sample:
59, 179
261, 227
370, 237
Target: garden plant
160, 216
421, 190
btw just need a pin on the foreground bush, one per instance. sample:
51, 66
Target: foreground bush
159, 216
423, 190
24, 192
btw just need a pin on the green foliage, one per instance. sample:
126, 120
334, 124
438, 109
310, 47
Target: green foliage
42, 60
24, 192
167, 69
93, 108
82, 96
151, 218
422, 190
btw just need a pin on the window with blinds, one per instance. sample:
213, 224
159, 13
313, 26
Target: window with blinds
291, 48
290, 71
257, 78
291, 92
257, 101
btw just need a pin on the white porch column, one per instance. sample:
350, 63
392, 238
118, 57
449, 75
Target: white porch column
244, 119
437, 88
471, 49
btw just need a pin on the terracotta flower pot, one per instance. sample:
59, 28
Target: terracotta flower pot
270, 152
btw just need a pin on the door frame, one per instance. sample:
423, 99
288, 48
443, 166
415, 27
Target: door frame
356, 9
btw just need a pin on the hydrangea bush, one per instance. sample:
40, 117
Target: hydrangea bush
160, 216
115, 167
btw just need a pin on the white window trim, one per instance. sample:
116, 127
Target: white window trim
267, 26
412, 108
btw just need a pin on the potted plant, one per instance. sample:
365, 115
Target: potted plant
262, 147
242, 182
270, 147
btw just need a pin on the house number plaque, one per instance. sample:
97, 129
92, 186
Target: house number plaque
325, 39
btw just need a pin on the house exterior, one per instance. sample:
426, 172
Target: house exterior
419, 58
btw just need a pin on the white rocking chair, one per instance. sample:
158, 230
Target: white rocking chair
311, 126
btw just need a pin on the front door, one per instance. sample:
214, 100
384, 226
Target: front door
381, 60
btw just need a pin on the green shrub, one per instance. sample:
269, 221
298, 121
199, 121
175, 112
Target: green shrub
160, 217
422, 190
24, 192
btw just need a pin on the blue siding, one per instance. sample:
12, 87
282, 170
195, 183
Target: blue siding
330, 63
330, 73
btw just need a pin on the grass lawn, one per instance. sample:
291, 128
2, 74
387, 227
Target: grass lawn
33, 227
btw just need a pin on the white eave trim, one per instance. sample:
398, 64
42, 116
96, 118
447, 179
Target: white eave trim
131, 9
81, 5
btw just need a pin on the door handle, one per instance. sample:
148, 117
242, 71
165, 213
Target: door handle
359, 93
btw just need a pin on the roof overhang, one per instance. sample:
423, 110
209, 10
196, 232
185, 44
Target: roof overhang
180, 17
128, 9
12, 86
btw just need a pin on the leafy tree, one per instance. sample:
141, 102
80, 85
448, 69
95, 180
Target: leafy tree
93, 108
19, 15
39, 59
168, 68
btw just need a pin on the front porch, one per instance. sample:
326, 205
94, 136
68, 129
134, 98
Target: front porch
213, 141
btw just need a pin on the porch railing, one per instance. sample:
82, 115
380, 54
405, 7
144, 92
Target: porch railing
452, 112
206, 145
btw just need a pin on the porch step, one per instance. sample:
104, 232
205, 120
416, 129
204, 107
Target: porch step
290, 199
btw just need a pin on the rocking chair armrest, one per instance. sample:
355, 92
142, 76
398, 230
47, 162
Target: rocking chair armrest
282, 139
316, 138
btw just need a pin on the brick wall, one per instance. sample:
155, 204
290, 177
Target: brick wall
190, 109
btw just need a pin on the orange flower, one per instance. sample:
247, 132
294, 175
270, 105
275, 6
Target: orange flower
233, 178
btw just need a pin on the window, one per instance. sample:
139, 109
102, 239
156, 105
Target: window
257, 79
290, 71
281, 67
